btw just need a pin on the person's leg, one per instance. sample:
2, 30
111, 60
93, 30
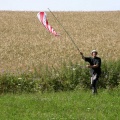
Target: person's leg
94, 80
94, 87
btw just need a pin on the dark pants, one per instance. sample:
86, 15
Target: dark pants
94, 80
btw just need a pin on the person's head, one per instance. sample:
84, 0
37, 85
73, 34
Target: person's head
94, 53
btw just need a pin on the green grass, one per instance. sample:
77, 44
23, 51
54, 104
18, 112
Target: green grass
74, 105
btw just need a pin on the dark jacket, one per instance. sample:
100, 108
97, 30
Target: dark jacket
94, 61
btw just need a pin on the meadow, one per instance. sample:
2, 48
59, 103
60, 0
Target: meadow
70, 105
43, 77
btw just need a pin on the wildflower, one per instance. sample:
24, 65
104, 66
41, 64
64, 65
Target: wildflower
88, 109
57, 74
73, 69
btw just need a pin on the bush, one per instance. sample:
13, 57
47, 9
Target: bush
68, 77
110, 74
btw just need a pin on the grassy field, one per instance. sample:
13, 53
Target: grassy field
25, 44
74, 105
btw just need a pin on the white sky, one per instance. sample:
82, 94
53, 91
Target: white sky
60, 5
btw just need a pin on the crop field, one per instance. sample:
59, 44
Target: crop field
25, 43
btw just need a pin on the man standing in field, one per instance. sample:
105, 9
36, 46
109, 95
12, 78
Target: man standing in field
95, 68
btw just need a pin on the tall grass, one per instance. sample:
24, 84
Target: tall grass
68, 77
32, 59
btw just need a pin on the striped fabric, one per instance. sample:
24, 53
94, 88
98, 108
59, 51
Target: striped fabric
43, 19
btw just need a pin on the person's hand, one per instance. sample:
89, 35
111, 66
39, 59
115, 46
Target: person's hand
88, 66
81, 53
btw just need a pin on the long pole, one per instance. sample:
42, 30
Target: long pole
65, 30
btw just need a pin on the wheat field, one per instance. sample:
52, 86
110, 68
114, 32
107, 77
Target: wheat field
25, 43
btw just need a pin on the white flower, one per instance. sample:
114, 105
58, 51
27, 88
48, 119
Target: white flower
73, 69
57, 74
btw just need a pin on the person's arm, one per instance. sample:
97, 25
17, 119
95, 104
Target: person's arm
82, 55
92, 66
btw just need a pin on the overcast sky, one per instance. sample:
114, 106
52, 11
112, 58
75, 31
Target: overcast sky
60, 5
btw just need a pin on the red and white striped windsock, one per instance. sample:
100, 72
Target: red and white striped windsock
43, 19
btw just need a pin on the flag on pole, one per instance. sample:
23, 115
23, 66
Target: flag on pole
43, 19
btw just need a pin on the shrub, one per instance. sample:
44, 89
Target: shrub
68, 77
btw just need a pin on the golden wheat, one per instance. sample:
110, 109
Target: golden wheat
25, 43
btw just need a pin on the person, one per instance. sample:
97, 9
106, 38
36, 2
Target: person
95, 68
